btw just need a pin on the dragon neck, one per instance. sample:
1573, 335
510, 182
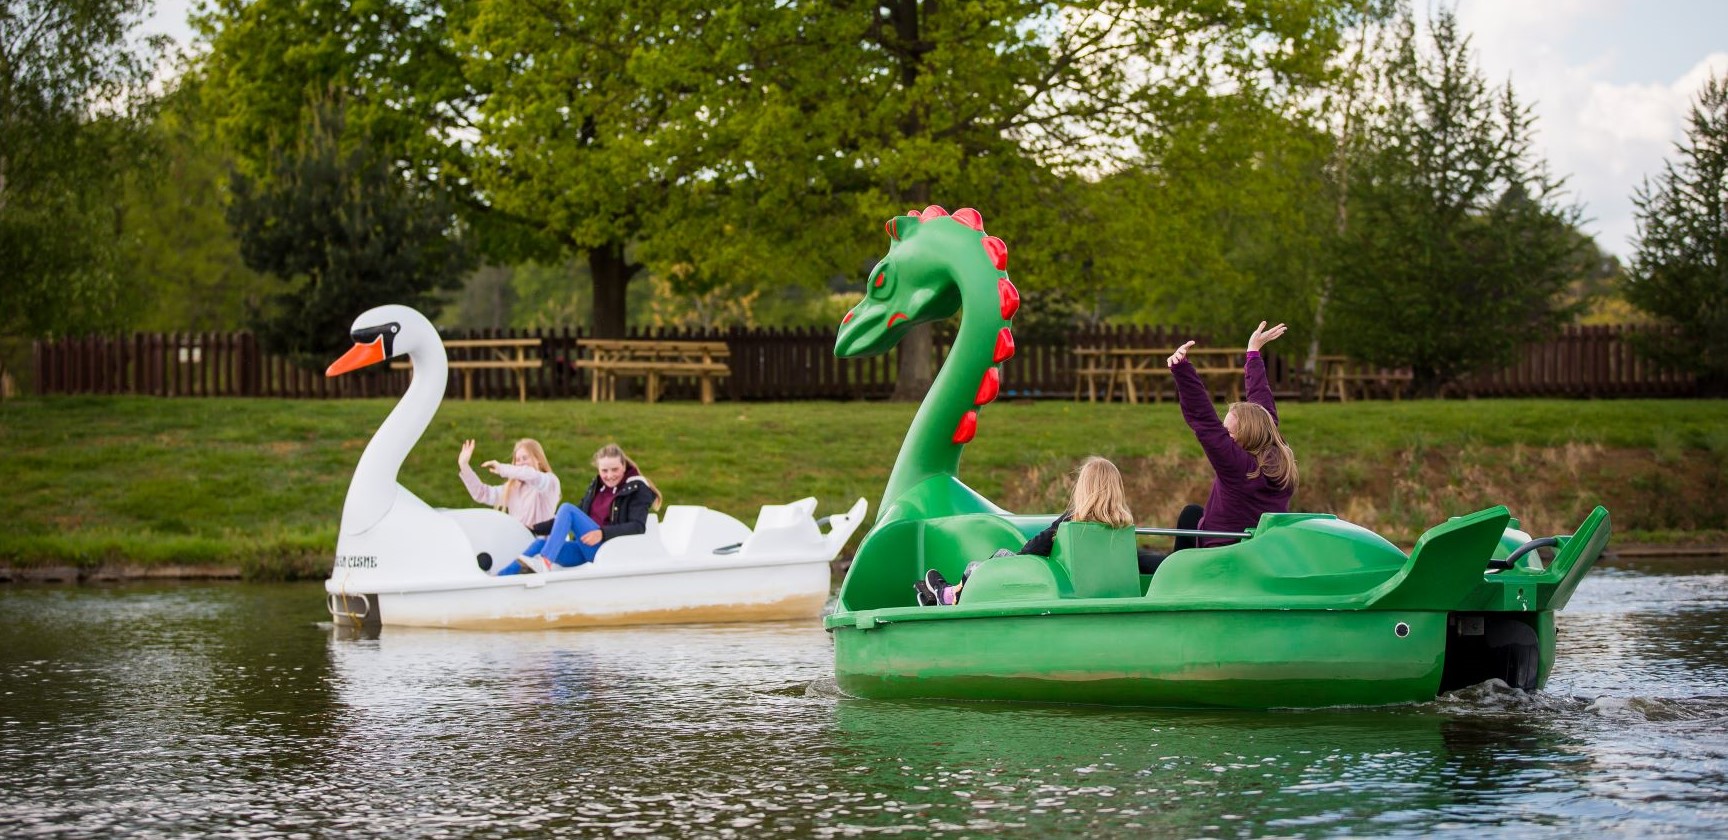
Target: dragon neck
948, 416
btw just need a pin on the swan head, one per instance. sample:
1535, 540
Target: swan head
381, 333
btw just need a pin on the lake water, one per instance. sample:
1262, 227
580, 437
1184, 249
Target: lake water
235, 710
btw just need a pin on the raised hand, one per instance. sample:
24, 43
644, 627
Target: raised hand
1263, 336
1180, 355
491, 465
466, 453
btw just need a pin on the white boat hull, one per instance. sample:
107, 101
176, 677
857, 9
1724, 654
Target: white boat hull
400, 561
700, 566
757, 592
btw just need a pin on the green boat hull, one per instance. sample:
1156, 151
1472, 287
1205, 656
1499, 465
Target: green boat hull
1201, 658
1308, 612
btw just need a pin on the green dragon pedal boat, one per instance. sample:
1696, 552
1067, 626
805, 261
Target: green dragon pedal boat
1305, 610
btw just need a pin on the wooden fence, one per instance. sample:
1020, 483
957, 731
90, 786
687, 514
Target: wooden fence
767, 364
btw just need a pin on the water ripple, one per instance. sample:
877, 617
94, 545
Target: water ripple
226, 710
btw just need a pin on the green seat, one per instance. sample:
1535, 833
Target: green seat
1446, 564
1577, 554
1100, 560
1307, 560
1015, 577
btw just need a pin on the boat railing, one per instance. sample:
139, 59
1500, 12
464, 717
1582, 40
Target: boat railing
1188, 532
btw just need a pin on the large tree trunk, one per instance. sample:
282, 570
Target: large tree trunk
612, 274
913, 373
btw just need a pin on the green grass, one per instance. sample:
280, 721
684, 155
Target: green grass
260, 483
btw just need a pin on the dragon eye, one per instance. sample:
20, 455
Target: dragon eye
882, 282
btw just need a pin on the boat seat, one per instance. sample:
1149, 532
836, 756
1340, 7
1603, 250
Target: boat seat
891, 559
1305, 559
696, 530
1100, 561
1013, 577
1446, 564
1577, 554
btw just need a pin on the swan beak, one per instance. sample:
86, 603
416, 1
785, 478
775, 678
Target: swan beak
358, 356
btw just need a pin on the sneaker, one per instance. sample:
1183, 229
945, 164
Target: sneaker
926, 597
935, 580
534, 563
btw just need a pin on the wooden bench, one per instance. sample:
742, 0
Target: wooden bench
1341, 375
511, 354
611, 358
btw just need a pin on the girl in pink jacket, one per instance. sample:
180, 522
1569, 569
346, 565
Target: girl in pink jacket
530, 491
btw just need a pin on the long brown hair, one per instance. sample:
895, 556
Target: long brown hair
613, 450
535, 452
1099, 496
1256, 433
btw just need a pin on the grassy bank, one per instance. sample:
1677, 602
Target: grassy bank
259, 484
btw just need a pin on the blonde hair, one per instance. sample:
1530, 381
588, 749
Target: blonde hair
613, 450
1257, 433
1099, 496
537, 454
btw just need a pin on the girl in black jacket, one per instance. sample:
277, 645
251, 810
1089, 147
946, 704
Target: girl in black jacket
617, 503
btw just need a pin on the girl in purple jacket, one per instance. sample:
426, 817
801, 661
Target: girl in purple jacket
1254, 471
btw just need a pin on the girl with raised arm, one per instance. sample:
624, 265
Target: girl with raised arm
530, 490
1253, 469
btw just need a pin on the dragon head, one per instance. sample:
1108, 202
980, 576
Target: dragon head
916, 281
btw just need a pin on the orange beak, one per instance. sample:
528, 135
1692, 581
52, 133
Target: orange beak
359, 356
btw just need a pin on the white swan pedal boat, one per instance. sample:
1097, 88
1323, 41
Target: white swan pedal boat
400, 561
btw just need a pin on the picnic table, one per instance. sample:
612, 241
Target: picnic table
611, 358
1340, 375
1132, 367
510, 354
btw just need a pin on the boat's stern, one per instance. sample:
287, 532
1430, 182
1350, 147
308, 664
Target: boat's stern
1505, 628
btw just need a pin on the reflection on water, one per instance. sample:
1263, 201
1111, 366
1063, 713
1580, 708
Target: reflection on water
236, 710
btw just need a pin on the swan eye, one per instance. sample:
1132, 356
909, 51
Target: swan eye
387, 332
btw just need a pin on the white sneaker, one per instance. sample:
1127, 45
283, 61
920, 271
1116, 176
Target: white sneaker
534, 563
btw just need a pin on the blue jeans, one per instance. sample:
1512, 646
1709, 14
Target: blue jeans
568, 526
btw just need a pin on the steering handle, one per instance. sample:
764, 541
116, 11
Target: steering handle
1520, 551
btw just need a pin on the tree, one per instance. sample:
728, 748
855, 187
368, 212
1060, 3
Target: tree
742, 145
72, 100
1007, 106
176, 245
1230, 215
347, 231
1679, 272
1458, 250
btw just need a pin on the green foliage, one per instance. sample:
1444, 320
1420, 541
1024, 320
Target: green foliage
1458, 249
72, 99
1234, 213
178, 248
347, 232
1679, 272
751, 145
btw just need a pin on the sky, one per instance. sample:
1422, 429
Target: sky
1610, 82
